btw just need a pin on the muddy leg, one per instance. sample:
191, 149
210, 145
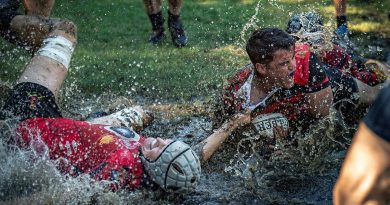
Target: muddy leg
38, 7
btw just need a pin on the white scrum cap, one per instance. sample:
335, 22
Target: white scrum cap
176, 169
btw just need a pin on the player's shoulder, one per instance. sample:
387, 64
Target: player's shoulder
241, 75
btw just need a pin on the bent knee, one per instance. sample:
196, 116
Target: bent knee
67, 26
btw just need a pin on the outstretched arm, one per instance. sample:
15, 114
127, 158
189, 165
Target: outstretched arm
134, 117
207, 147
365, 174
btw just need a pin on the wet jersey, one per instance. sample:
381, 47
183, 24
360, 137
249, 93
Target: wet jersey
340, 59
309, 77
104, 152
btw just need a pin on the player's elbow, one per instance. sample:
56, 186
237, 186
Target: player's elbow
319, 103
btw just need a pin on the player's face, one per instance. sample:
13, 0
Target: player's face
153, 147
280, 71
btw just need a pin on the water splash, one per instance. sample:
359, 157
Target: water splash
252, 22
285, 173
28, 176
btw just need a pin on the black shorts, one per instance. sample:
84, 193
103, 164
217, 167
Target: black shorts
29, 100
8, 10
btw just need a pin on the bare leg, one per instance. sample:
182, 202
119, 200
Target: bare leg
341, 18
179, 38
152, 6
38, 7
44, 70
175, 6
153, 9
31, 30
368, 93
340, 7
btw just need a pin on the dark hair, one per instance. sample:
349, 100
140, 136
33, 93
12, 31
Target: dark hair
264, 42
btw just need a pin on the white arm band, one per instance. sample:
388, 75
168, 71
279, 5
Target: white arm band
57, 48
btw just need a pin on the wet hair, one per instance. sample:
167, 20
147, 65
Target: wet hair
264, 42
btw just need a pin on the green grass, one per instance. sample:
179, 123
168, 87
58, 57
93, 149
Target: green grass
113, 53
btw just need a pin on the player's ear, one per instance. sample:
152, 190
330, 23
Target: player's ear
261, 68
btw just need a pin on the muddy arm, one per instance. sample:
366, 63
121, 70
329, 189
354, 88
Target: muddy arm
207, 147
133, 117
319, 102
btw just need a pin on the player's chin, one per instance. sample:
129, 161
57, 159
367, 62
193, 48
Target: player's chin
289, 83
148, 141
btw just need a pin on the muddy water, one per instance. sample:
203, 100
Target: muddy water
303, 174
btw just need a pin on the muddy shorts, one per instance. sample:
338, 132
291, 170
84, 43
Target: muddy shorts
29, 100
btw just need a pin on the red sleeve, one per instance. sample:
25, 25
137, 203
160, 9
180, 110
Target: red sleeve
302, 56
338, 58
309, 74
231, 103
122, 168
35, 130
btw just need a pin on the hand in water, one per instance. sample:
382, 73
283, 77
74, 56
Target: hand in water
241, 119
280, 132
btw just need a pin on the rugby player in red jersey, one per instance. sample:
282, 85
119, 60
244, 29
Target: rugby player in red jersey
106, 149
283, 90
277, 102
355, 81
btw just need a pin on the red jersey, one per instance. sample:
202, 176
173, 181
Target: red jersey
309, 77
104, 152
340, 59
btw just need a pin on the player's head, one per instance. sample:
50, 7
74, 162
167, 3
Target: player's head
171, 164
272, 52
264, 42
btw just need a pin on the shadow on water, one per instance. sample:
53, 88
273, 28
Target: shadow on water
304, 174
